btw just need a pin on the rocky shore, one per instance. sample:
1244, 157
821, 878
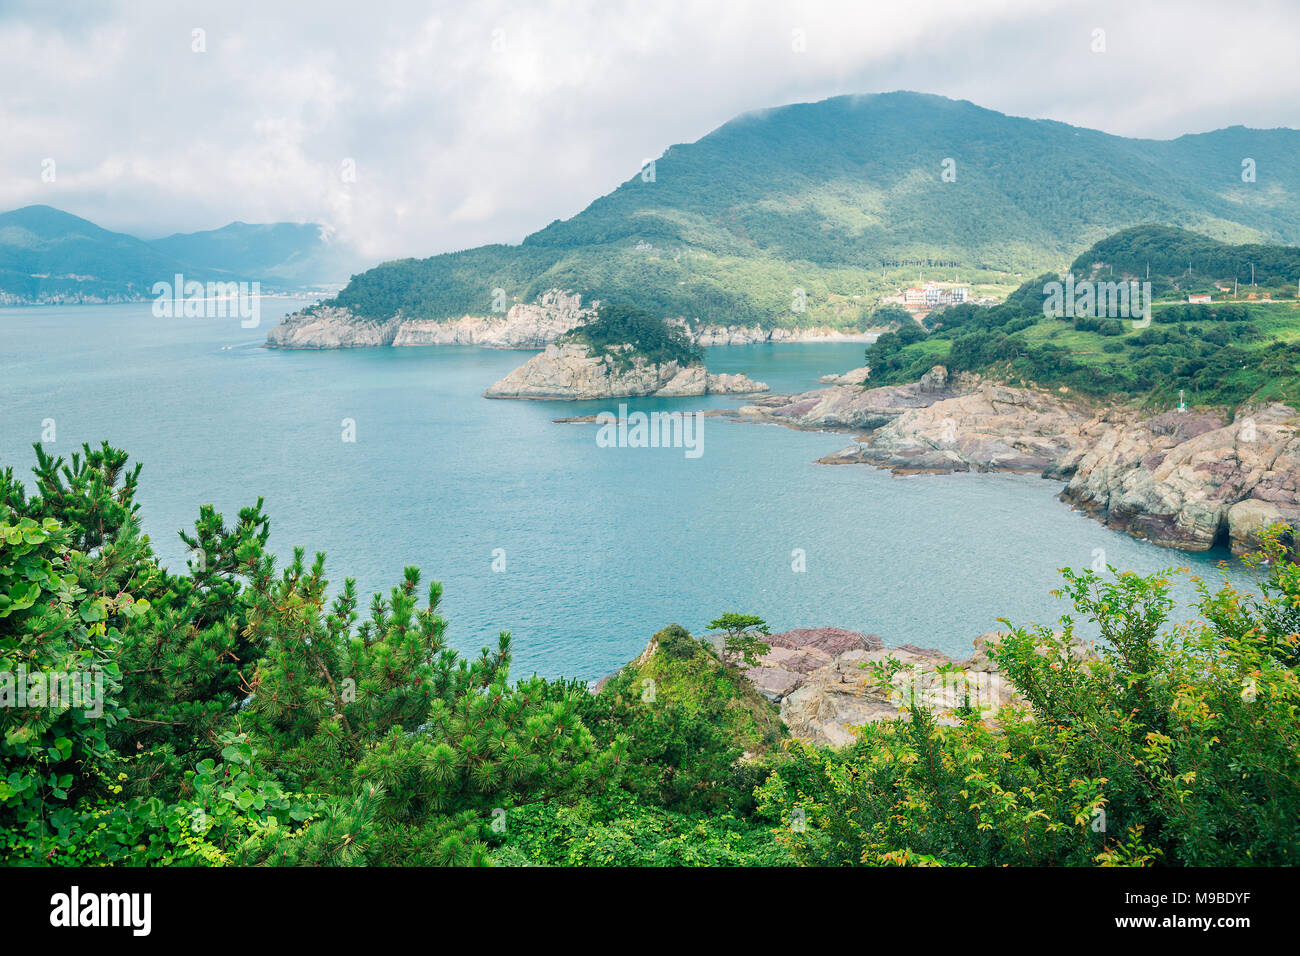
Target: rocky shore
1181, 479
522, 326
571, 373
821, 678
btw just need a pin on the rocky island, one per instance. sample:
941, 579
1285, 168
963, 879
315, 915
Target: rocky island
620, 353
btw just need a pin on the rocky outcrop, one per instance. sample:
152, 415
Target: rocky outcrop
757, 335
841, 406
523, 326
1181, 479
993, 428
1192, 480
328, 327
569, 372
826, 686
795, 654
857, 376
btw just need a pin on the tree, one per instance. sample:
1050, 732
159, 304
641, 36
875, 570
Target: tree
741, 641
1173, 745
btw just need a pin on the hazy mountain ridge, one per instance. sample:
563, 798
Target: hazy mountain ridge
48, 255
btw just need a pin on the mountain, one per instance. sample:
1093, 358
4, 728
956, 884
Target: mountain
47, 255
846, 199
50, 255
291, 254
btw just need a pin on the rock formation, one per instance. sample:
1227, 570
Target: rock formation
993, 428
1192, 479
531, 326
328, 327
1182, 479
823, 681
523, 326
796, 654
857, 376
570, 372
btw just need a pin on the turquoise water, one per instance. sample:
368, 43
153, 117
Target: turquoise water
602, 546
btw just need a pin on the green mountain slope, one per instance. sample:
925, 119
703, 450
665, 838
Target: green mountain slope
846, 198
1193, 262
1242, 347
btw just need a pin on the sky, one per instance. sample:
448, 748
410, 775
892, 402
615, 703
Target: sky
409, 129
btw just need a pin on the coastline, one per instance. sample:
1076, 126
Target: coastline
522, 326
1189, 480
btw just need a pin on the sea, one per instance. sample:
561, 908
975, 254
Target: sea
386, 458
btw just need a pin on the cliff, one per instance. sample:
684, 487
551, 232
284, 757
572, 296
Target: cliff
571, 373
522, 326
1181, 479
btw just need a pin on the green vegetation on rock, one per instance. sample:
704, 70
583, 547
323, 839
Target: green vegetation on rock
626, 333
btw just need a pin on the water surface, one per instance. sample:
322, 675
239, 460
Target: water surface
602, 546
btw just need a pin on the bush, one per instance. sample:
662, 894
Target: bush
1178, 746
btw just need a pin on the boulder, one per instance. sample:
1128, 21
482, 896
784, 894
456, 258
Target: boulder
857, 376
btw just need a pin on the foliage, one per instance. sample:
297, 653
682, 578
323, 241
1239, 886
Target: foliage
687, 718
1194, 261
623, 333
618, 830
741, 641
1163, 745
244, 717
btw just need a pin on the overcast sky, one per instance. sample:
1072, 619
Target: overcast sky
482, 121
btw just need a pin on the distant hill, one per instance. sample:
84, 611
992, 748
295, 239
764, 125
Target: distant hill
292, 254
1170, 256
846, 199
50, 255
1227, 351
47, 255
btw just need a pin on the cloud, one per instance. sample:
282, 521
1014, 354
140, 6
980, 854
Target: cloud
478, 123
